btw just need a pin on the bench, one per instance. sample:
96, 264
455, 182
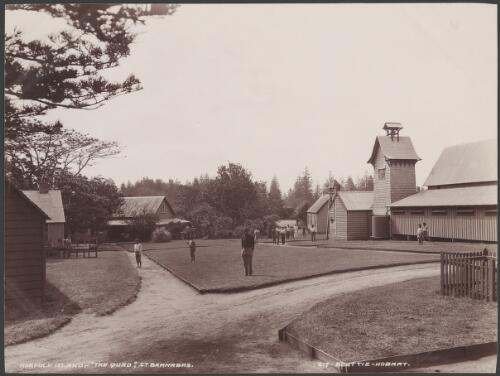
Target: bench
85, 248
65, 251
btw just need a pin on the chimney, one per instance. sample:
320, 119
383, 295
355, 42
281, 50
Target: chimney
43, 187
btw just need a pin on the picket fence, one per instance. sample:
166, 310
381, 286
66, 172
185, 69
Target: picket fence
471, 274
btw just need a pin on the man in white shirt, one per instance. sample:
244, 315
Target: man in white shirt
138, 252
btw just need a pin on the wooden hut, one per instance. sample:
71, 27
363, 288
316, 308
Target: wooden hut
460, 202
317, 214
393, 159
24, 254
351, 215
50, 201
134, 206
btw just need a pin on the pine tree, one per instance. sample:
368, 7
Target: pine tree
275, 199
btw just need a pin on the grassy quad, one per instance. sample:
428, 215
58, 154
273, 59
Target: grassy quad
94, 285
219, 267
403, 318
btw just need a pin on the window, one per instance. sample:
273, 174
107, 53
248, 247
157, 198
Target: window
417, 211
381, 173
398, 212
491, 213
465, 211
439, 212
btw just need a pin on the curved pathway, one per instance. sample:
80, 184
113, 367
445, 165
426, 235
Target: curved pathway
172, 323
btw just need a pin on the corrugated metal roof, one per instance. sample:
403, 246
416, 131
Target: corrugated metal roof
394, 149
286, 222
137, 205
357, 200
50, 203
466, 163
163, 222
318, 204
118, 222
462, 196
10, 185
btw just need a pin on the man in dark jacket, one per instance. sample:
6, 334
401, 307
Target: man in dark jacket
247, 247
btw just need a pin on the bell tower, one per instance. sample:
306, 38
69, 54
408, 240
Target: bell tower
393, 159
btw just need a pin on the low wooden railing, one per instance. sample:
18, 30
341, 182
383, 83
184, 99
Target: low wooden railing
471, 274
65, 250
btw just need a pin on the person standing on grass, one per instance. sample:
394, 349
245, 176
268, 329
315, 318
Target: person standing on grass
273, 234
256, 234
138, 252
192, 249
295, 231
425, 233
283, 235
420, 234
313, 233
247, 248
304, 231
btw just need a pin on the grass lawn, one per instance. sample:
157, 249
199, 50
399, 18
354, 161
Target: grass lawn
399, 245
403, 318
95, 285
219, 266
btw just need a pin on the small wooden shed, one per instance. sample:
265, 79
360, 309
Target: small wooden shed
317, 214
351, 214
24, 253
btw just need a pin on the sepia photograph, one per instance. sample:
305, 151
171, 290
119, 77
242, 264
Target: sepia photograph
283, 188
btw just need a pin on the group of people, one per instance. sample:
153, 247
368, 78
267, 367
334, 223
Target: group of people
422, 233
284, 233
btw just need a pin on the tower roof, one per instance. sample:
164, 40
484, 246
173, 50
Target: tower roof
394, 148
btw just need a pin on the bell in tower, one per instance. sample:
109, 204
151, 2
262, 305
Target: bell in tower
392, 130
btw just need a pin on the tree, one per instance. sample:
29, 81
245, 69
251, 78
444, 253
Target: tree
301, 213
349, 184
275, 199
88, 203
317, 192
142, 225
233, 191
64, 71
302, 191
37, 159
365, 183
330, 182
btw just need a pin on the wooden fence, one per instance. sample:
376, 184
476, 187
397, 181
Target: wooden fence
471, 274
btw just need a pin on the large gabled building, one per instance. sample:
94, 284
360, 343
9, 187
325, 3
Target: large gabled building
460, 200
135, 206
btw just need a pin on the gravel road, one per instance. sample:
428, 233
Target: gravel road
170, 324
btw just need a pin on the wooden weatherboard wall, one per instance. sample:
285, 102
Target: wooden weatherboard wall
339, 213
24, 255
381, 184
358, 225
447, 223
402, 179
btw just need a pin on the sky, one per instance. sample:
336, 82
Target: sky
278, 87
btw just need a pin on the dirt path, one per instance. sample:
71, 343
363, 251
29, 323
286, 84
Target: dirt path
171, 323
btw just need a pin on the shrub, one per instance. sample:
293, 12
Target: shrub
161, 236
238, 231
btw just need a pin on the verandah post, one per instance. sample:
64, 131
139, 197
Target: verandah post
442, 273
